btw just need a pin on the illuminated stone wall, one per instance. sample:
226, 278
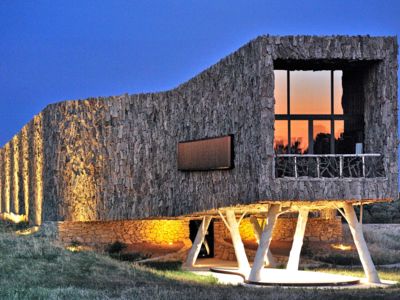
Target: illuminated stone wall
7, 179
162, 232
25, 174
114, 158
15, 175
317, 230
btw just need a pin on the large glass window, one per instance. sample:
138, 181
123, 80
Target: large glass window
310, 92
299, 137
308, 111
321, 142
281, 92
281, 137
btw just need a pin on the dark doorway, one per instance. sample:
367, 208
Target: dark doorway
207, 248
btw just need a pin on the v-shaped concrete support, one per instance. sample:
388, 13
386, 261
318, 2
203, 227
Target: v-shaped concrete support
265, 241
294, 257
233, 226
269, 259
361, 245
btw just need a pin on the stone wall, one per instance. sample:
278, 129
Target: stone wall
115, 158
161, 232
317, 230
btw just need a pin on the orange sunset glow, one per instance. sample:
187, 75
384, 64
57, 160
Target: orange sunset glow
310, 93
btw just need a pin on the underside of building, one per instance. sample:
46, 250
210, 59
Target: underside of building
276, 142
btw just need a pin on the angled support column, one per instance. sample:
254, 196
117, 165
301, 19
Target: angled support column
294, 257
265, 241
198, 241
269, 259
361, 245
233, 226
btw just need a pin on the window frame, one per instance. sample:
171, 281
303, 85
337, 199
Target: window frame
332, 117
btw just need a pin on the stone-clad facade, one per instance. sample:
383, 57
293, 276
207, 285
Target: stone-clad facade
115, 158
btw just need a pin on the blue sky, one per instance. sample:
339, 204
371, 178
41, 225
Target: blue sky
59, 50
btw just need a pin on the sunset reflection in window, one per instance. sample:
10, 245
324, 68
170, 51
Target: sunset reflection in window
281, 136
312, 121
310, 92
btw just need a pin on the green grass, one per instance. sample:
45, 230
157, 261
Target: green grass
388, 274
34, 267
383, 242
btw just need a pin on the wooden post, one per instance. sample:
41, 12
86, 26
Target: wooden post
265, 241
361, 245
294, 257
243, 262
269, 259
198, 241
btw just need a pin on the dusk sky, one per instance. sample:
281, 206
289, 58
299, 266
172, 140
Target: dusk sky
61, 50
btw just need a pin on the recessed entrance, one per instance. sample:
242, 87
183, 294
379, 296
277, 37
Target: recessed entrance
207, 247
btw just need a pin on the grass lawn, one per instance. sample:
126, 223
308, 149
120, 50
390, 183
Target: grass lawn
33, 267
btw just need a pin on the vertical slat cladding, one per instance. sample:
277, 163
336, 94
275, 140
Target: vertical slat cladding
7, 179
1, 180
21, 208
25, 168
15, 175
38, 164
11, 176
5, 171
31, 167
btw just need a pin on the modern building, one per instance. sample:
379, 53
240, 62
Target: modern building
285, 130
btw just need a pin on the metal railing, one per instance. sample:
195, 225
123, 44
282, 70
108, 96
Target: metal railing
368, 165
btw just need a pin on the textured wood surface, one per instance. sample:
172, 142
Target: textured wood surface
115, 158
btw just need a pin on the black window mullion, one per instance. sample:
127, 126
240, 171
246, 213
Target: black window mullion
288, 113
332, 115
310, 137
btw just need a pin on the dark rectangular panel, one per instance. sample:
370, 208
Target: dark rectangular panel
206, 155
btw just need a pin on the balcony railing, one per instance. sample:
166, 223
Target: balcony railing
329, 165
